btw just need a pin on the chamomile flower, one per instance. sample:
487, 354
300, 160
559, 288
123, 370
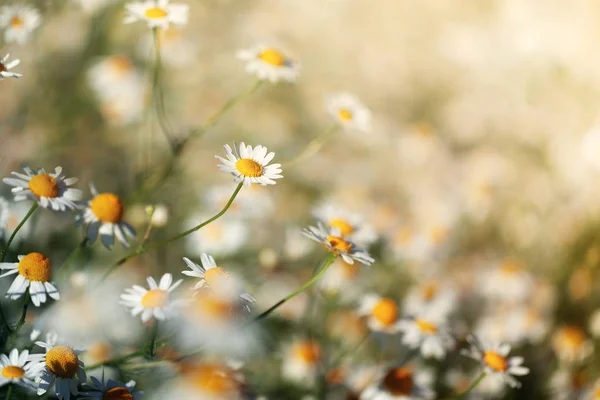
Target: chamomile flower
352, 226
11, 214
301, 361
104, 215
6, 66
400, 383
61, 367
332, 239
156, 13
34, 272
495, 362
269, 63
209, 273
208, 380
381, 312
250, 165
18, 368
427, 331
349, 112
508, 281
50, 190
18, 21
111, 390
430, 294
154, 302
571, 344
570, 384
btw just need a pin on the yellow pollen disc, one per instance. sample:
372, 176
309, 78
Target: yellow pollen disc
339, 244
156, 12
573, 336
344, 227
117, 393
35, 267
249, 167
13, 372
385, 311
510, 268
349, 270
121, 63
100, 351
16, 22
209, 305
43, 185
430, 290
404, 236
597, 394
213, 378
495, 361
273, 57
426, 327
344, 115
215, 275
62, 361
155, 298
309, 352
107, 207
398, 381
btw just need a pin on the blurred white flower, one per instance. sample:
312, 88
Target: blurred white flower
428, 331
381, 312
18, 22
11, 214
508, 281
155, 302
222, 237
268, 63
208, 380
430, 294
349, 112
34, 272
571, 344
301, 361
156, 13
400, 383
331, 238
352, 226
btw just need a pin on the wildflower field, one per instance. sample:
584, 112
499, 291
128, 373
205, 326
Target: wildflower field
299, 199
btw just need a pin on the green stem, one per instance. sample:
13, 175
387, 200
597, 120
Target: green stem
72, 255
301, 289
471, 387
127, 357
9, 392
157, 95
152, 343
313, 146
23, 314
142, 250
29, 213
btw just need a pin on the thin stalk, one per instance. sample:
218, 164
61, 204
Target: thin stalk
471, 387
152, 343
313, 146
127, 357
72, 255
9, 392
142, 250
29, 213
301, 289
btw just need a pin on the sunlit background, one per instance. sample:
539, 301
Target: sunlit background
476, 181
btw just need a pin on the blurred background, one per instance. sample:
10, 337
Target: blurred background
480, 170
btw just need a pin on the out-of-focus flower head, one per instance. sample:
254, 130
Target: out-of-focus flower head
11, 214
269, 63
331, 238
222, 237
429, 332
155, 302
157, 13
396, 383
301, 361
18, 22
352, 226
349, 112
381, 312
571, 344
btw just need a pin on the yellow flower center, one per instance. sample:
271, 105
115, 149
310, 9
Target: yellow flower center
215, 275
510, 268
117, 393
344, 227
156, 12
43, 185
573, 336
597, 394
121, 63
273, 57
13, 372
208, 305
426, 327
100, 351
35, 267
249, 167
344, 115
495, 361
107, 207
213, 379
16, 22
385, 311
398, 381
430, 290
155, 298
62, 361
309, 352
339, 244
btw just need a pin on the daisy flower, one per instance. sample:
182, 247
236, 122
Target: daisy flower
567, 384
495, 362
111, 390
301, 361
332, 239
60, 367
427, 331
268, 63
349, 112
6, 66
154, 302
34, 272
430, 294
18, 368
508, 281
104, 215
224, 236
207, 380
156, 13
250, 165
400, 383
11, 214
351, 225
18, 21
48, 190
381, 313
571, 344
